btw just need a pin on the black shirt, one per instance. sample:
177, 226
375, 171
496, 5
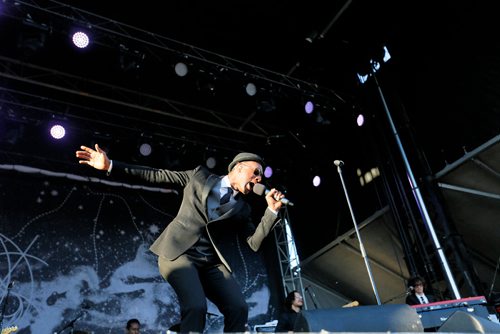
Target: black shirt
291, 321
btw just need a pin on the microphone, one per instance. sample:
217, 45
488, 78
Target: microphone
260, 190
11, 285
338, 163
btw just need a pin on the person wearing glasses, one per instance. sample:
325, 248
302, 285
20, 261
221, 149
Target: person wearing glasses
191, 250
291, 320
133, 327
416, 287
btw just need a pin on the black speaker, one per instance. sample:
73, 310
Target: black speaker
464, 322
376, 318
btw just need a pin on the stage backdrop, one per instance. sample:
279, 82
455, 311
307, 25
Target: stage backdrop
77, 248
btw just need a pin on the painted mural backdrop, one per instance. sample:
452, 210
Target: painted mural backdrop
74, 254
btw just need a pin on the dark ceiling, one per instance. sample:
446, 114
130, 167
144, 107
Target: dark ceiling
441, 86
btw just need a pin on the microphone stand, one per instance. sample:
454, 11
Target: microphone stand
406, 293
418, 196
71, 324
339, 164
5, 300
494, 278
313, 296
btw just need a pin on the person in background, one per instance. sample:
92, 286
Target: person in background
416, 286
192, 248
133, 326
291, 319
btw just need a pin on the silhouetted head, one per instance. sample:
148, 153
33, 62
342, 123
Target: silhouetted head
294, 298
133, 326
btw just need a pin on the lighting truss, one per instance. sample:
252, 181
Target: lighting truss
109, 30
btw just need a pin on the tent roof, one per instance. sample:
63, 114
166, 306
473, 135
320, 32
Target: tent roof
471, 190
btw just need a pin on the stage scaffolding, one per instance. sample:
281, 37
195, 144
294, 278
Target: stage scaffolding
288, 257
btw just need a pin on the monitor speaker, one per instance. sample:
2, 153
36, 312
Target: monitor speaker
375, 318
464, 322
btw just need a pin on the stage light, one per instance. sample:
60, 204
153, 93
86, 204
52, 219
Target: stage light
316, 181
360, 120
268, 172
266, 104
206, 82
130, 60
375, 65
309, 107
251, 89
211, 162
80, 39
181, 69
387, 55
145, 149
57, 131
367, 177
32, 36
321, 119
362, 78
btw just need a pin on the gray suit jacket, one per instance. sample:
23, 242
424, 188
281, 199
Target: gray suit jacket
192, 218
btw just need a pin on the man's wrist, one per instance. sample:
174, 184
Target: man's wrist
273, 211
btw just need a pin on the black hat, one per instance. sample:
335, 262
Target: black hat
245, 156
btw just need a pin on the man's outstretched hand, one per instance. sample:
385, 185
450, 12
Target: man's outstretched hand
96, 158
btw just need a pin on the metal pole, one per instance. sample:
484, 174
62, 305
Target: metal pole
339, 164
420, 202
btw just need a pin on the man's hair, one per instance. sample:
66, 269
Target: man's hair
412, 281
132, 321
289, 299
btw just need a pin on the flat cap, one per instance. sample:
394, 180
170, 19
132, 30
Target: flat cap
245, 156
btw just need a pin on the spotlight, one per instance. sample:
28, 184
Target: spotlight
375, 65
211, 162
181, 69
360, 120
316, 181
57, 131
251, 89
309, 107
145, 149
80, 39
362, 77
387, 55
268, 172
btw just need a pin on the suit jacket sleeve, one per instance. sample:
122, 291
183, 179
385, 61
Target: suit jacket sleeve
150, 175
412, 300
257, 235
